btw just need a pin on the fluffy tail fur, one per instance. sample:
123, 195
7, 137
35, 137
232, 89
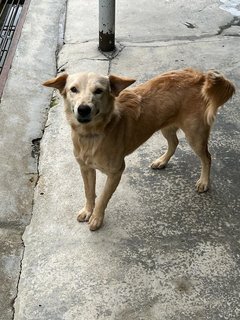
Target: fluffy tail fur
216, 91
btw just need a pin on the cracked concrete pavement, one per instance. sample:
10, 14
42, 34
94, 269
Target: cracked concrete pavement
170, 253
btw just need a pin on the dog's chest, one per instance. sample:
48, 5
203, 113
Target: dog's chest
99, 152
93, 152
89, 148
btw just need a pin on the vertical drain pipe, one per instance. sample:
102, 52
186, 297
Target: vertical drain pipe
106, 25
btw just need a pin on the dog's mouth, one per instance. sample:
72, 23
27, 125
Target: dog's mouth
84, 119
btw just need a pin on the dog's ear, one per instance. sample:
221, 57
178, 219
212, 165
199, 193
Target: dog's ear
117, 84
59, 82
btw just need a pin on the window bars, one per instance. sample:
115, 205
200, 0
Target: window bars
10, 13
12, 16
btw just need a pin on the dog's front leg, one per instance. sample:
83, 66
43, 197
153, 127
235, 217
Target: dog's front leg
111, 184
89, 179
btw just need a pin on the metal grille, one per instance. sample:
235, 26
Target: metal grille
9, 17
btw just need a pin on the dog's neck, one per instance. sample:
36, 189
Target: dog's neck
89, 135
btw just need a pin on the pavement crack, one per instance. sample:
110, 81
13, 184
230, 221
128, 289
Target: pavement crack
112, 54
35, 154
173, 42
189, 25
77, 42
204, 8
36, 149
61, 68
109, 67
234, 22
18, 280
61, 32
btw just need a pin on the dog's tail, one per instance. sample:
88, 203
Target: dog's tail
216, 91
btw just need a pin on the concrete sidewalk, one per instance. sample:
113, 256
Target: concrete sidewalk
164, 252
23, 113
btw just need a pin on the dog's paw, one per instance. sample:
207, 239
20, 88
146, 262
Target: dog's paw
158, 164
84, 215
201, 186
95, 222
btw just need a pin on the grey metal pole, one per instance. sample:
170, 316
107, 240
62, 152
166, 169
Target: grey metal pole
107, 25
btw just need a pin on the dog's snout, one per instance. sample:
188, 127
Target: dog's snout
84, 110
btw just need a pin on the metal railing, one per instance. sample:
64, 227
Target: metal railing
9, 16
12, 16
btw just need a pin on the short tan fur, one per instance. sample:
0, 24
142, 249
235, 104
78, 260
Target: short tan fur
109, 122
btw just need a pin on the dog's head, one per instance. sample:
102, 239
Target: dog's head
88, 96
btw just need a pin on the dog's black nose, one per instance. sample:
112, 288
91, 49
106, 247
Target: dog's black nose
84, 110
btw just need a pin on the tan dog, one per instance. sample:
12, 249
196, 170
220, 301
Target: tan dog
109, 123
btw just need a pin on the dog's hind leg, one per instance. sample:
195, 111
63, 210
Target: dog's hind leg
170, 134
198, 140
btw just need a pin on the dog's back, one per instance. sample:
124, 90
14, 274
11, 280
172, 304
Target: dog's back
175, 95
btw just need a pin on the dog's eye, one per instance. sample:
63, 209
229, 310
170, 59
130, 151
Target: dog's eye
74, 89
98, 91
